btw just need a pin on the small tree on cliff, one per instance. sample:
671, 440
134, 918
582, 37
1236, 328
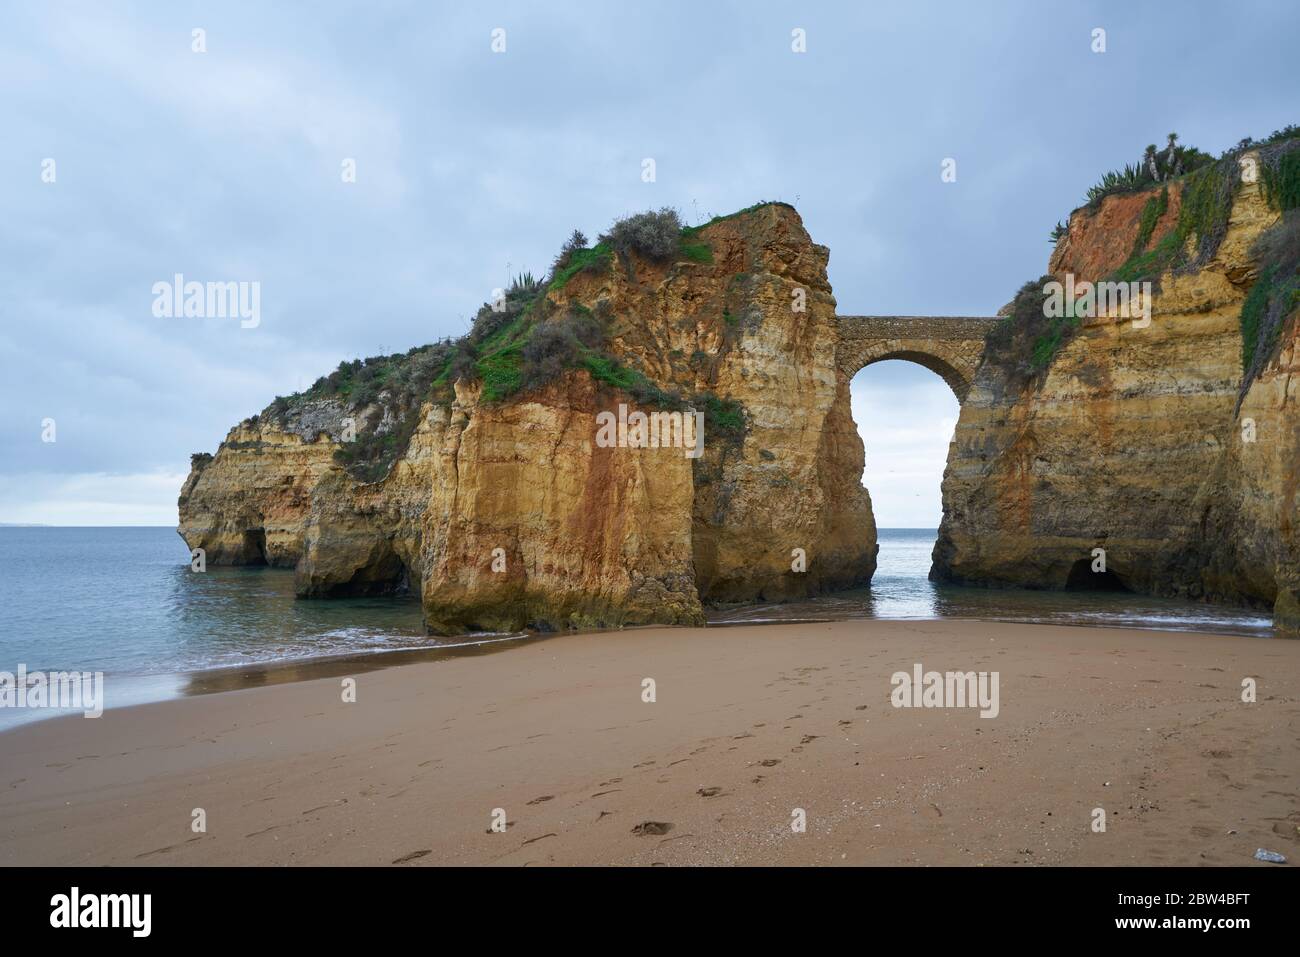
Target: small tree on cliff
1149, 163
574, 244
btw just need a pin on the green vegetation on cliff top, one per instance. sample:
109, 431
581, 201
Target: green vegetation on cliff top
518, 343
1025, 342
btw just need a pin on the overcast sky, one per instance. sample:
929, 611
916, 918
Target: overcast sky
471, 165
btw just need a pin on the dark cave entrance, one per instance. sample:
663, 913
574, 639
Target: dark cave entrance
1083, 578
254, 547
385, 575
388, 576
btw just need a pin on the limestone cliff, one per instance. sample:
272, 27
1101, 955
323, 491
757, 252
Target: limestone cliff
488, 494
1153, 442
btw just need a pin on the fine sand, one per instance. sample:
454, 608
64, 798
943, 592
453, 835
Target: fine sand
750, 723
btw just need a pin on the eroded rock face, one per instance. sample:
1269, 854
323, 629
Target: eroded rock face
1134, 442
509, 514
532, 523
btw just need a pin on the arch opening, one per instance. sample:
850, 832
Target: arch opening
927, 360
906, 412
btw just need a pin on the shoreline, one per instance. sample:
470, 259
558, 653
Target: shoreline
750, 722
218, 679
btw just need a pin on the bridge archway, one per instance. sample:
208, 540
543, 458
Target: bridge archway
950, 346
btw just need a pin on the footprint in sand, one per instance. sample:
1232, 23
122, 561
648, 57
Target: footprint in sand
709, 792
541, 800
652, 828
414, 855
770, 762
338, 803
169, 847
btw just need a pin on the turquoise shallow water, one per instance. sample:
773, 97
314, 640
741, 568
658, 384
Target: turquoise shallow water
124, 601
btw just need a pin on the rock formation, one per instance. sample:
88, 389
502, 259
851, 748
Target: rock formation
483, 487
507, 513
1140, 439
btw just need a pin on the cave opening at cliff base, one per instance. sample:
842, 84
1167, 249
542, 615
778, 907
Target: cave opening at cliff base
254, 547
1082, 578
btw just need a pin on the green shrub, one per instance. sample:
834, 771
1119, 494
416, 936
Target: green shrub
1206, 205
558, 345
462, 366
1282, 180
1274, 296
1023, 344
1252, 312
723, 416
654, 235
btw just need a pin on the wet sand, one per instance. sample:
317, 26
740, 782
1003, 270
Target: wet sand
750, 723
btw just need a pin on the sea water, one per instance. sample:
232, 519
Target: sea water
123, 601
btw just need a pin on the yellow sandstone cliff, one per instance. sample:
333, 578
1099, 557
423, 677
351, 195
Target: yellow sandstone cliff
1138, 439
507, 513
498, 507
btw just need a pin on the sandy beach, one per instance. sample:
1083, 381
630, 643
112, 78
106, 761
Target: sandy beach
749, 724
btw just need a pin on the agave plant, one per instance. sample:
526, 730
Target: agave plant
525, 282
1116, 181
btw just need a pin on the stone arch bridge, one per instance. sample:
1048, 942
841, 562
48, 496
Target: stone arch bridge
948, 345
